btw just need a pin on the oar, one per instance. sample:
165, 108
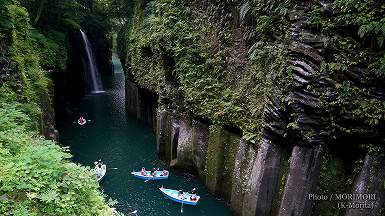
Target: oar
148, 179
181, 208
134, 212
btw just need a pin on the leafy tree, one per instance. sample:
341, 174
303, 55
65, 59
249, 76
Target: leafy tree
36, 177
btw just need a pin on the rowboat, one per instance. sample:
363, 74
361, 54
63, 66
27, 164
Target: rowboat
159, 175
100, 172
82, 122
185, 198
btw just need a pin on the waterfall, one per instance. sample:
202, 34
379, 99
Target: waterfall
92, 68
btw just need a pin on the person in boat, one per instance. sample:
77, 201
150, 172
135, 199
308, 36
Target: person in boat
98, 168
164, 173
153, 173
81, 120
180, 194
193, 193
143, 171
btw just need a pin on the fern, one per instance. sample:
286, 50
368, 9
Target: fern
374, 29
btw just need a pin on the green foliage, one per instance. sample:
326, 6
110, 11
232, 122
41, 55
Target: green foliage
35, 176
71, 24
208, 83
24, 56
51, 49
211, 77
31, 54
356, 33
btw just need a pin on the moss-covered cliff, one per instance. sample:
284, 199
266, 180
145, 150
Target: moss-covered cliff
223, 60
299, 78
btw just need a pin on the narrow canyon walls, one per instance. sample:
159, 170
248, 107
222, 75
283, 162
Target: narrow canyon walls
267, 102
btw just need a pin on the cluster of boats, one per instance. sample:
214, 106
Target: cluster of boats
174, 195
147, 175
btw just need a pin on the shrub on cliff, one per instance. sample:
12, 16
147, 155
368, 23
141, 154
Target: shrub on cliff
35, 176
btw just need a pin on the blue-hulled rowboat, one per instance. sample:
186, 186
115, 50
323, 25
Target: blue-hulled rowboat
174, 196
159, 175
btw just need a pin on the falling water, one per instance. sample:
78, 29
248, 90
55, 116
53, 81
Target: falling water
121, 142
96, 84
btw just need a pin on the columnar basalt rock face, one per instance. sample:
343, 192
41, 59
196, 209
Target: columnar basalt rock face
141, 104
182, 141
200, 143
163, 134
174, 124
370, 181
299, 118
243, 166
220, 162
132, 99
184, 148
305, 52
148, 105
302, 180
262, 185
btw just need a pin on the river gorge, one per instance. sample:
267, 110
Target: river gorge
268, 108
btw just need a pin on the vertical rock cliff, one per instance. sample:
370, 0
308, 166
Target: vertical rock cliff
267, 101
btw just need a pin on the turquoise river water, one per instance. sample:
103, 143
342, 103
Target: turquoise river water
123, 143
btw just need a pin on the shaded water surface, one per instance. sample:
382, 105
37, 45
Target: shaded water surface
121, 142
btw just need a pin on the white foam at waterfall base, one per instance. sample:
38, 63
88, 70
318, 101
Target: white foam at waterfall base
96, 83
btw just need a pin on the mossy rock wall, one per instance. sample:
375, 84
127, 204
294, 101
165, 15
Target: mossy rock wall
184, 143
335, 178
231, 143
283, 173
214, 160
244, 161
163, 134
300, 74
370, 181
200, 144
222, 149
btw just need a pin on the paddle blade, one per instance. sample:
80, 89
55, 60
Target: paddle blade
181, 208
